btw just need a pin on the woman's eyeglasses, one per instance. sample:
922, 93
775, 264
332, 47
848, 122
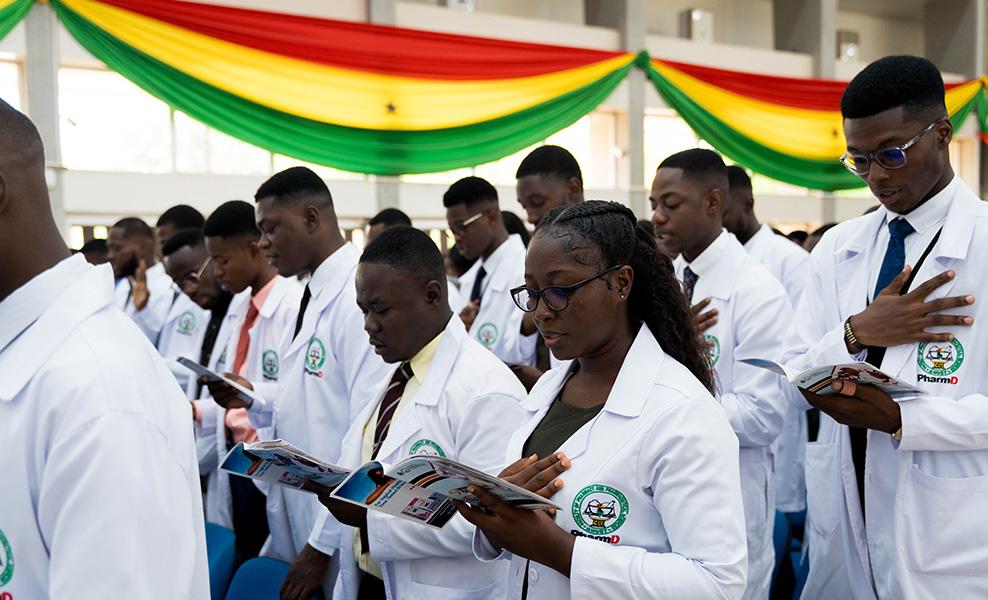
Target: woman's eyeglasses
859, 163
556, 297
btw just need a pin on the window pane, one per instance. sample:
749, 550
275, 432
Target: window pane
502, 172
665, 134
110, 124
282, 162
443, 177
230, 156
10, 84
591, 142
191, 145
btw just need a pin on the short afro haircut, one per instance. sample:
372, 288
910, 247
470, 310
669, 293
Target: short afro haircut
232, 219
181, 216
134, 227
390, 217
409, 251
738, 178
192, 238
95, 246
470, 191
293, 185
699, 163
908, 81
550, 161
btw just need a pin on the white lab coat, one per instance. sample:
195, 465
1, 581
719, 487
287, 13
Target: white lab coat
663, 453
498, 323
327, 376
926, 531
182, 336
469, 405
275, 320
151, 319
101, 496
753, 311
790, 264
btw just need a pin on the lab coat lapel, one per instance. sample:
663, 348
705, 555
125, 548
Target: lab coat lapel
90, 292
407, 423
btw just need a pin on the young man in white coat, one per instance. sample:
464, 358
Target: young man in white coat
448, 396
548, 177
489, 315
789, 263
687, 196
895, 491
101, 492
328, 368
143, 289
262, 314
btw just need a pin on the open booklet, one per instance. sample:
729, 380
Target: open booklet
818, 379
419, 488
246, 395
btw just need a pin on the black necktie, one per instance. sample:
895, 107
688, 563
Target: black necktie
306, 295
689, 284
478, 285
892, 265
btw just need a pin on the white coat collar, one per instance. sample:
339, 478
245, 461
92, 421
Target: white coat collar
327, 282
281, 288
504, 264
761, 236
82, 291
718, 267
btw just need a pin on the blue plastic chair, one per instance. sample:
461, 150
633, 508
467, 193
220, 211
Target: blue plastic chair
782, 536
258, 579
221, 552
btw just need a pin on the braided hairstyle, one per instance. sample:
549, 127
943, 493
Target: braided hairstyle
610, 231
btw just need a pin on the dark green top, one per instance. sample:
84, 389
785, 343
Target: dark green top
558, 425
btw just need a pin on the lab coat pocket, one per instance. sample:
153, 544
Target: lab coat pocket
938, 535
823, 490
424, 591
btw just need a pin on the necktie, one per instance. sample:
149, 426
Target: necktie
892, 265
306, 295
389, 404
478, 285
895, 254
689, 284
243, 343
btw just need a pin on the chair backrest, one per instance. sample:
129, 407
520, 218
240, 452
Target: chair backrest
221, 552
258, 579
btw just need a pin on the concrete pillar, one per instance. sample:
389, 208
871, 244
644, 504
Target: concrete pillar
628, 16
810, 27
41, 66
386, 188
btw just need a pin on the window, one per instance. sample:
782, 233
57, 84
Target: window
110, 124
10, 83
665, 134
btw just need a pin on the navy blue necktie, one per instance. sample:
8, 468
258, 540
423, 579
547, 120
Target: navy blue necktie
478, 285
895, 254
689, 284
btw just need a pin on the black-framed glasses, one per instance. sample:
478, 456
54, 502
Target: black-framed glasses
859, 163
461, 227
556, 297
192, 280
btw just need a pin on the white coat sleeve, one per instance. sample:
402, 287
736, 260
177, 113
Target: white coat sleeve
207, 440
115, 508
363, 371
696, 485
261, 413
755, 404
795, 274
939, 423
479, 437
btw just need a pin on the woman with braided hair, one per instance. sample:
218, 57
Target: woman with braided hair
627, 440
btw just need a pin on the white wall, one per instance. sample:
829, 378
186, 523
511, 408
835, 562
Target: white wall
881, 36
738, 22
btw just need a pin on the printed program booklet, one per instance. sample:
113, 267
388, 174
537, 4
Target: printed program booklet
246, 395
419, 488
818, 379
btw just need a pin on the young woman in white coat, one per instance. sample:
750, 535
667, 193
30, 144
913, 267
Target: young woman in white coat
649, 489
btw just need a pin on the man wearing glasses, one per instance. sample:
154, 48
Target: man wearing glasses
198, 308
895, 490
489, 315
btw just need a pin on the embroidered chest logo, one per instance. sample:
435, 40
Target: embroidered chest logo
600, 510
711, 345
487, 334
315, 356
6, 560
426, 447
186, 323
939, 360
270, 364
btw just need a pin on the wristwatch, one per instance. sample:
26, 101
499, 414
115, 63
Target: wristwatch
850, 339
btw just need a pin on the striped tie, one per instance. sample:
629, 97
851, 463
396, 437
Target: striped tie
389, 404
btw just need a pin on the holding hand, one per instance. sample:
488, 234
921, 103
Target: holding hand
224, 394
305, 575
859, 405
469, 314
344, 512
